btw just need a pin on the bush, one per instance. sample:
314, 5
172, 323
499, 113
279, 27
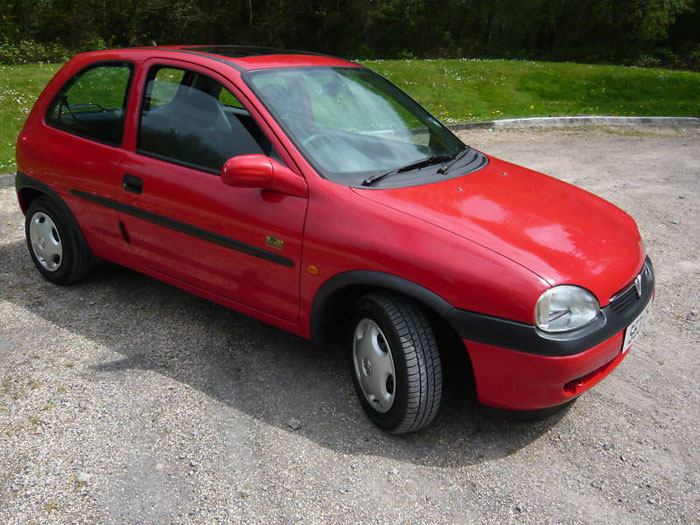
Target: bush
29, 51
693, 59
646, 61
405, 55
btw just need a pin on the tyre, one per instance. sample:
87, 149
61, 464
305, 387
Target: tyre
395, 363
55, 243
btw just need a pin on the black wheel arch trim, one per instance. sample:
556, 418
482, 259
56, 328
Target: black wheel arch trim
323, 297
24, 182
482, 328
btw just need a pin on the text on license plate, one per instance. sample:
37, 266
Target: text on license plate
634, 329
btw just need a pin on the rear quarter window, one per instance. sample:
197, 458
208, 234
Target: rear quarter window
92, 104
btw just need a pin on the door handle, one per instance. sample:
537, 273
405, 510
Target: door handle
132, 183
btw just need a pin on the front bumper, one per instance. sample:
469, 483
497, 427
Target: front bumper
518, 367
514, 380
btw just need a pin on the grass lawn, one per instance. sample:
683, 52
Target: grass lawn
465, 90
19, 88
455, 91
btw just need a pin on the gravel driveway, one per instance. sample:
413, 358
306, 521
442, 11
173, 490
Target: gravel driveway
124, 400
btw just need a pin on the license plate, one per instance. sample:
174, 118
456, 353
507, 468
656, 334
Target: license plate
634, 329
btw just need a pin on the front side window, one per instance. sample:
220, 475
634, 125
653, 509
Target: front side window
190, 119
351, 123
92, 104
166, 83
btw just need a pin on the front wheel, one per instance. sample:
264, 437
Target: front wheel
395, 363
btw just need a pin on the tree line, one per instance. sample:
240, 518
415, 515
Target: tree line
640, 32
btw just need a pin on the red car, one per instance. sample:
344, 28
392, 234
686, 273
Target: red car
311, 193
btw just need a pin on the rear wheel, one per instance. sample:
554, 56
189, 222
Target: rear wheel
55, 243
396, 365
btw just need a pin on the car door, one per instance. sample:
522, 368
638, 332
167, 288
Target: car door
181, 220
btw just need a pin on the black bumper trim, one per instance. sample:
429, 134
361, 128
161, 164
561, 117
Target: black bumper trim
527, 338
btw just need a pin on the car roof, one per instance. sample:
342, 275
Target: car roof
250, 57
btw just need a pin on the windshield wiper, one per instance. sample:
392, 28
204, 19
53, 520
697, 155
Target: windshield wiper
427, 161
442, 170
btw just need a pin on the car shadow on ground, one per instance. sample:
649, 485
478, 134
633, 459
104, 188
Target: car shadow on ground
250, 366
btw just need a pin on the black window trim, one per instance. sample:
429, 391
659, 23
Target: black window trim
50, 122
164, 158
155, 67
177, 162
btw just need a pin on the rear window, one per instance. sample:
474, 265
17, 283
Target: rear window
92, 104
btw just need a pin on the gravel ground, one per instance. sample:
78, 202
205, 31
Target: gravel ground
123, 400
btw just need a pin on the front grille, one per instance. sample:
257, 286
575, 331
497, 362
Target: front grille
624, 300
628, 296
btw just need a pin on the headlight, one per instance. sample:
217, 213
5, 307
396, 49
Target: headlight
565, 308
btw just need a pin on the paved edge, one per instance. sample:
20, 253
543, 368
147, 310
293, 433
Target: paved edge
539, 122
7, 181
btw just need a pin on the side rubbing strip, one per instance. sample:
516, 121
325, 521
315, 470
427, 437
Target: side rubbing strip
188, 229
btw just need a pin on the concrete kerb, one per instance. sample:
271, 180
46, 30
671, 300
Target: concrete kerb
7, 181
542, 122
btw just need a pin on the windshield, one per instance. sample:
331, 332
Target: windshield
351, 123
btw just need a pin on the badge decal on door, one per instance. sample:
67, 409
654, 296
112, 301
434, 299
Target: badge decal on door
272, 242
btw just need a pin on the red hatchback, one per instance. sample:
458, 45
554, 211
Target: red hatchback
311, 193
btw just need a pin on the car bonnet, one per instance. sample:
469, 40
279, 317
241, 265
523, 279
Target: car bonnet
560, 232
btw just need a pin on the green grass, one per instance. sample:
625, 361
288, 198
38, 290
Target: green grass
19, 88
455, 91
473, 90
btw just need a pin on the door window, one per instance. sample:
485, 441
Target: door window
165, 86
190, 119
92, 104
